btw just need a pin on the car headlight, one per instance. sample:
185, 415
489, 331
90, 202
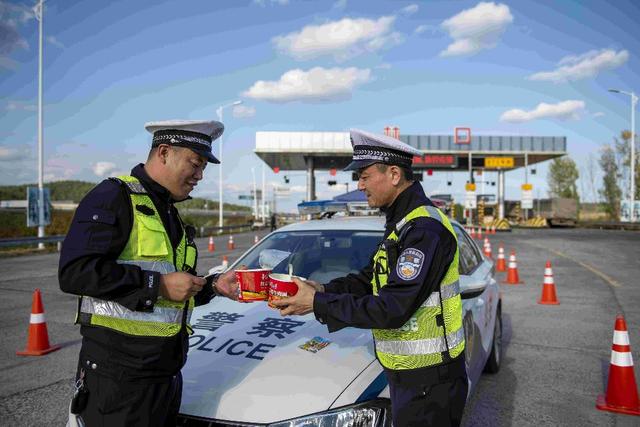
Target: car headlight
374, 413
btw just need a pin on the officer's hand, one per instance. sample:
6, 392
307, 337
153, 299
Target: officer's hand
227, 284
180, 286
317, 286
299, 304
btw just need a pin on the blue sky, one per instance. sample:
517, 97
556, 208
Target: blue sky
507, 68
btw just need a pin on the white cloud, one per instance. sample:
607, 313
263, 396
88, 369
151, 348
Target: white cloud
20, 106
243, 111
421, 29
583, 66
564, 110
410, 10
54, 41
103, 168
317, 84
343, 39
597, 114
13, 153
340, 4
263, 3
477, 28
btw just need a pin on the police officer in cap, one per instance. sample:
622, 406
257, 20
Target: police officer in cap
408, 295
132, 262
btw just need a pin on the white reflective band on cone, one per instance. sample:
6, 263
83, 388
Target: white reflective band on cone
621, 359
548, 280
512, 264
37, 318
548, 272
512, 258
619, 337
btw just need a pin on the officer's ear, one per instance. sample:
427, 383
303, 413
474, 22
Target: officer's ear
396, 174
162, 153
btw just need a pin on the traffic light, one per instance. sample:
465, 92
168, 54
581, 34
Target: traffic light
355, 176
332, 182
533, 171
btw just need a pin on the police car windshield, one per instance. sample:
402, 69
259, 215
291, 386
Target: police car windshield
316, 255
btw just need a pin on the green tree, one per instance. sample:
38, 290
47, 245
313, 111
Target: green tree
610, 190
623, 150
562, 178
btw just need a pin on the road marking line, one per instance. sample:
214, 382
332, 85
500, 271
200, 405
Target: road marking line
592, 269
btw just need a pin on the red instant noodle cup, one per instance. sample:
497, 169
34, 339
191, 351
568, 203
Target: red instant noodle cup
253, 284
281, 286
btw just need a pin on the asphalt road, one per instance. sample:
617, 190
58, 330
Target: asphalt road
555, 362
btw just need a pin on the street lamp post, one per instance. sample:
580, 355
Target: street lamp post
219, 111
634, 101
39, 12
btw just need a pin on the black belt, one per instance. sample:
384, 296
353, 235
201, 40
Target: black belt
430, 374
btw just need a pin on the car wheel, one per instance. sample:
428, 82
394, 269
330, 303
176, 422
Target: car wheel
495, 358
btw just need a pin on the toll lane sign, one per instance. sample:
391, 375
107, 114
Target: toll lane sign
499, 162
527, 196
470, 196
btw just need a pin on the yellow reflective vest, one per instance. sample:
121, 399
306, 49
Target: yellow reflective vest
434, 334
150, 248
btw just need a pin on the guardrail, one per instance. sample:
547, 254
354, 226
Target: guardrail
203, 232
22, 241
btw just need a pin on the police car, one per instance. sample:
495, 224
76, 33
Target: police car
248, 366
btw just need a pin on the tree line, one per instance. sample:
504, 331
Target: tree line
614, 161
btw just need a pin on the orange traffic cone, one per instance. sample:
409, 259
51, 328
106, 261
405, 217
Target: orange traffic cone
38, 339
512, 271
501, 264
473, 232
212, 246
493, 229
255, 239
479, 235
230, 245
487, 250
622, 391
225, 261
487, 230
548, 287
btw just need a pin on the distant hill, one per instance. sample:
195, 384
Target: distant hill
76, 190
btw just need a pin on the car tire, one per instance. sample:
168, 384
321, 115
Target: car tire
495, 357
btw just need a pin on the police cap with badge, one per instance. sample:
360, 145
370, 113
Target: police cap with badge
196, 135
369, 148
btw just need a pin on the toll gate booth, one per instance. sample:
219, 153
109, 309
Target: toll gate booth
311, 151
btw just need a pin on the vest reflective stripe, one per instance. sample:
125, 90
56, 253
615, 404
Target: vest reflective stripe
162, 267
91, 305
447, 292
136, 187
424, 346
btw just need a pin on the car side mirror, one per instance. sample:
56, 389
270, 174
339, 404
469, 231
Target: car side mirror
472, 290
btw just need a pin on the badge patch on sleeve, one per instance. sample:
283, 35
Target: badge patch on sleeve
409, 263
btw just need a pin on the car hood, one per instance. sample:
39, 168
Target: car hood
245, 363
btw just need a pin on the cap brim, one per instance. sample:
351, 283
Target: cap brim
210, 157
359, 164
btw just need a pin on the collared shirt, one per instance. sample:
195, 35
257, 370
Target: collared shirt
349, 301
88, 266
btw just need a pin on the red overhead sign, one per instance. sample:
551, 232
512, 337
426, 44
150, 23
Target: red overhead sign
462, 135
436, 161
